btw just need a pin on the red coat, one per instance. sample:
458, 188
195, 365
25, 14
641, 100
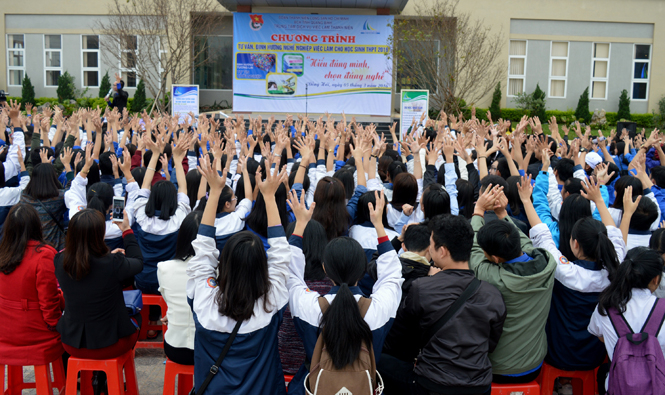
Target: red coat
30, 310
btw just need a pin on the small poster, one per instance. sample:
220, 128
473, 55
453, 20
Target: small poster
413, 103
184, 99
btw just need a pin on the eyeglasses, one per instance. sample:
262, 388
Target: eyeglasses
234, 198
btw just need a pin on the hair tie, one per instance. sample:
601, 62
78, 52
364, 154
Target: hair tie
600, 233
206, 195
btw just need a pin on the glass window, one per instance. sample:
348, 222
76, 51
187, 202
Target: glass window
129, 53
516, 67
90, 59
600, 70
213, 67
52, 59
558, 69
640, 77
15, 59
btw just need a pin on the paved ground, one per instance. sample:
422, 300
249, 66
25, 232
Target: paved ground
149, 369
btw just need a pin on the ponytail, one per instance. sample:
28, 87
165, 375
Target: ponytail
639, 268
344, 330
591, 235
100, 197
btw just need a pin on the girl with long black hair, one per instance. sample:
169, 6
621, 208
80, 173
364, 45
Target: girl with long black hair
344, 330
596, 247
242, 287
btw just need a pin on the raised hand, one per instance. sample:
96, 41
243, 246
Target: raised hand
629, 206
376, 211
211, 175
525, 188
299, 208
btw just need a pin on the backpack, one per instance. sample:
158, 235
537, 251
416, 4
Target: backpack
638, 365
358, 378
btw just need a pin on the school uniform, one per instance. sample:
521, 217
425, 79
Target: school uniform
172, 276
252, 365
617, 214
306, 311
76, 200
228, 224
577, 287
157, 238
9, 196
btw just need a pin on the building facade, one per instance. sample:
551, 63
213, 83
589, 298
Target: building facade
564, 46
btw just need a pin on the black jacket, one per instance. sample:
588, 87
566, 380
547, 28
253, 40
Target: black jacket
95, 313
119, 100
458, 355
411, 271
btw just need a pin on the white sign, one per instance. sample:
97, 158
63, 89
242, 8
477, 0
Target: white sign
184, 99
413, 103
312, 63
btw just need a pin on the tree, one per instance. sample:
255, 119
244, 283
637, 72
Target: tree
446, 51
66, 88
168, 32
28, 91
538, 106
105, 85
496, 100
139, 102
582, 113
624, 106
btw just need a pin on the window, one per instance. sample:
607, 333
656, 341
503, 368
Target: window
419, 65
15, 59
90, 59
600, 70
129, 52
52, 59
516, 67
213, 67
641, 63
558, 69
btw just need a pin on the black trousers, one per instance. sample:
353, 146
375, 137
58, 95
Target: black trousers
181, 355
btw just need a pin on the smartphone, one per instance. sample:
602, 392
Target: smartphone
118, 209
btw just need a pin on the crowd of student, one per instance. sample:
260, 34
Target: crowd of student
313, 246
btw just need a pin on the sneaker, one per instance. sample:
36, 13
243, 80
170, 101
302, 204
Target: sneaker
566, 389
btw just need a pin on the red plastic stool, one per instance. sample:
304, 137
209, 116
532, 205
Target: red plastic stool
185, 381
584, 381
151, 300
113, 368
44, 382
287, 380
532, 388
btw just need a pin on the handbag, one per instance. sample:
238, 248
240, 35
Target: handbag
133, 301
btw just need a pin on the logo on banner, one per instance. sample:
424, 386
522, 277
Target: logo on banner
367, 29
256, 22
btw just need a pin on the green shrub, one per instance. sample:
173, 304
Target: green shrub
538, 109
643, 120
582, 112
27, 92
624, 106
105, 85
560, 115
66, 88
512, 114
41, 100
659, 117
496, 100
130, 102
139, 103
612, 119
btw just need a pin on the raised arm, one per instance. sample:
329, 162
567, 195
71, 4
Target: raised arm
629, 208
179, 153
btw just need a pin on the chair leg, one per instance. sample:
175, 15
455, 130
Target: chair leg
185, 384
59, 375
15, 380
72, 377
2, 379
86, 383
132, 383
169, 380
114, 380
43, 380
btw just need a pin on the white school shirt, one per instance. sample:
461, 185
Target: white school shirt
172, 277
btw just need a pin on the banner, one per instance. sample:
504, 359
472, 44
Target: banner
413, 103
312, 63
184, 99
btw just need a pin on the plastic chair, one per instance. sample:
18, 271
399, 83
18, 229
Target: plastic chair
151, 300
185, 379
113, 368
584, 381
44, 381
532, 388
287, 380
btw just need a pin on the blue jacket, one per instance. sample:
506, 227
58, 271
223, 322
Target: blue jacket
252, 366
